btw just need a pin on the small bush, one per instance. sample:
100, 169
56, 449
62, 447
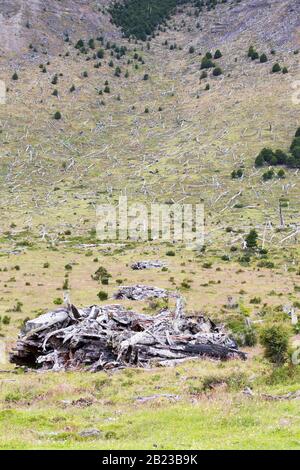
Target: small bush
102, 295
217, 71
57, 115
276, 68
263, 58
275, 340
251, 239
170, 253
218, 54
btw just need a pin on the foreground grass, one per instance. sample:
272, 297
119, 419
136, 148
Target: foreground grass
241, 425
50, 411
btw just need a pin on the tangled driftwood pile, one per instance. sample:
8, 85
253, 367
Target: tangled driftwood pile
140, 292
139, 265
101, 338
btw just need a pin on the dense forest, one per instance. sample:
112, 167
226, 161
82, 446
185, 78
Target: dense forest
139, 18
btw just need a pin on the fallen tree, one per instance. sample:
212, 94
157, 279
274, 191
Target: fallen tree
109, 337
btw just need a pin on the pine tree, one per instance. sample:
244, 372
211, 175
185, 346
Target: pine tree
15, 76
217, 71
79, 44
251, 239
218, 54
263, 58
100, 53
207, 63
92, 44
276, 68
57, 115
118, 72
251, 51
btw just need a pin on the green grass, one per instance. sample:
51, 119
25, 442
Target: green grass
49, 411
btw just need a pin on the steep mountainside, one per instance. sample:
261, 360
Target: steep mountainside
156, 120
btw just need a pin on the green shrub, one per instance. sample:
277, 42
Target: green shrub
251, 239
217, 71
57, 115
207, 63
263, 58
275, 340
170, 253
100, 54
102, 295
276, 68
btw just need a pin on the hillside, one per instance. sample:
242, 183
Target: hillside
179, 117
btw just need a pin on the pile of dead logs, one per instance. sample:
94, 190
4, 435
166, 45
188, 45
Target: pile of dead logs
139, 265
101, 338
140, 292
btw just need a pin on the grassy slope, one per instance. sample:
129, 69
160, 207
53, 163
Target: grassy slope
194, 144
38, 412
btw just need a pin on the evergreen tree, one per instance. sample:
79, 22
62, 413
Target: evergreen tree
207, 63
276, 68
79, 44
251, 51
217, 71
263, 58
57, 115
92, 44
281, 174
281, 157
218, 54
15, 76
251, 239
259, 162
118, 72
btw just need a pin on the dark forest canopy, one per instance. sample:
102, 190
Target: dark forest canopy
140, 18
